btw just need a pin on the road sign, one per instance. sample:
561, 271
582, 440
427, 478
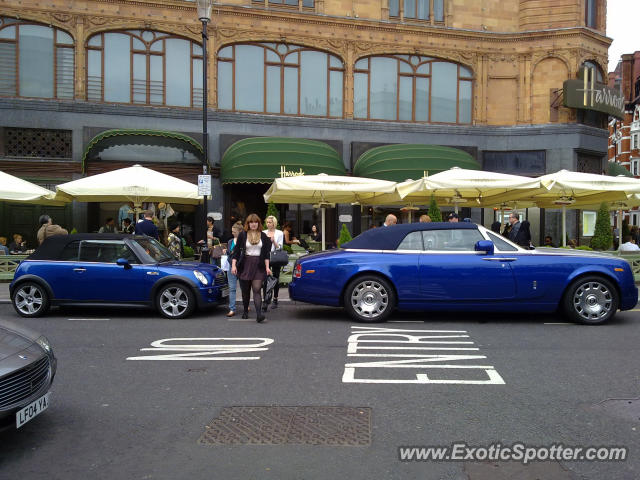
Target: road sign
204, 184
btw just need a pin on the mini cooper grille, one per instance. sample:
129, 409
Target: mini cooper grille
22, 384
220, 279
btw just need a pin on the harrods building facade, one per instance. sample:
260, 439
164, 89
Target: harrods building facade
309, 85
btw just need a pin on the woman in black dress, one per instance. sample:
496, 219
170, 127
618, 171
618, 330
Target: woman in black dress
250, 262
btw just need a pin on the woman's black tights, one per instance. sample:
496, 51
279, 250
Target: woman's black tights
246, 286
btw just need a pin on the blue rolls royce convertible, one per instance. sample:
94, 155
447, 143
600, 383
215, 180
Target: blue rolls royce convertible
461, 267
113, 270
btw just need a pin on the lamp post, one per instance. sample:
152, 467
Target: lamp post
204, 14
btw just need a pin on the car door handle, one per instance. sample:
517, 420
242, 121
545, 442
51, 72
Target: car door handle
500, 259
79, 270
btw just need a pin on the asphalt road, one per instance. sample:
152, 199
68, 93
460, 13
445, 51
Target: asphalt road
540, 382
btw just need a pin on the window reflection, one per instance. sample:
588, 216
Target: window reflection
281, 79
412, 88
144, 67
35, 60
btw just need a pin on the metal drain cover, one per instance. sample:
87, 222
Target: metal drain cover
290, 425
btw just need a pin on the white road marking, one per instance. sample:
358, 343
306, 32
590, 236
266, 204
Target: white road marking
88, 319
223, 349
376, 340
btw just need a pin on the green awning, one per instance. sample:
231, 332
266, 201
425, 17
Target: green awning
401, 162
160, 138
614, 169
262, 159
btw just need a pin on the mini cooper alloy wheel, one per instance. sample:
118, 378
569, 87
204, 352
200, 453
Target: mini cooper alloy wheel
175, 301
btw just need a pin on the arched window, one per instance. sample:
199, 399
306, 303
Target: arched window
144, 67
279, 78
35, 60
412, 88
597, 73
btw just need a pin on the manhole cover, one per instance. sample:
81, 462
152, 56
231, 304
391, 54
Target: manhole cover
293, 425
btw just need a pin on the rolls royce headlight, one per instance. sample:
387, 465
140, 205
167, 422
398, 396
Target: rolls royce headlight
44, 343
201, 277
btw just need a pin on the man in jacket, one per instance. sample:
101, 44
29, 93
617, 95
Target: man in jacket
519, 232
48, 229
147, 227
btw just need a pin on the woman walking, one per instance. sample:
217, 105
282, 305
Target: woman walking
231, 277
252, 255
277, 239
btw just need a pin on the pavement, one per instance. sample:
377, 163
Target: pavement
283, 294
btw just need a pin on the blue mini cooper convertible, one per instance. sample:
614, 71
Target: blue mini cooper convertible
461, 267
114, 270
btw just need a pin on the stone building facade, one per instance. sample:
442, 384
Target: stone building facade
505, 109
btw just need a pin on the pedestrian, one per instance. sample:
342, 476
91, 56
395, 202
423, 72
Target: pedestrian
519, 232
251, 263
315, 235
4, 250
289, 237
212, 242
232, 278
277, 239
174, 241
18, 245
48, 229
109, 226
127, 227
453, 217
425, 219
495, 227
147, 227
629, 244
548, 242
390, 220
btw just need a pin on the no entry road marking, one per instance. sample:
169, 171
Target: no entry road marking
447, 355
205, 348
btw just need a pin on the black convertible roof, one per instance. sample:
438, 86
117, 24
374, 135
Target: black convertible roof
388, 238
52, 246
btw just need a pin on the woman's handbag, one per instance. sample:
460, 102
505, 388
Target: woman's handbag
278, 258
224, 263
216, 252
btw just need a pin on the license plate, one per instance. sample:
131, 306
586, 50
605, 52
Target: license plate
224, 292
32, 410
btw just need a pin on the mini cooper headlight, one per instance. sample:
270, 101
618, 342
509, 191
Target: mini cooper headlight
201, 277
44, 343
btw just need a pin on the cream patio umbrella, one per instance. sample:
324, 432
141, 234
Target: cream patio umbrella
325, 190
471, 188
565, 189
136, 184
14, 189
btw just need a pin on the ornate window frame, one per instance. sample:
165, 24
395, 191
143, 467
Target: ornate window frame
144, 92
286, 53
415, 64
63, 59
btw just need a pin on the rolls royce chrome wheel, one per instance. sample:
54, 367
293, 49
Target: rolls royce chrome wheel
369, 299
591, 300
